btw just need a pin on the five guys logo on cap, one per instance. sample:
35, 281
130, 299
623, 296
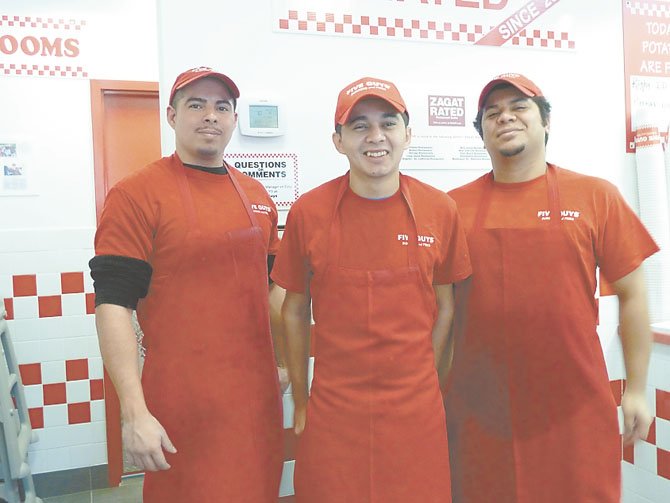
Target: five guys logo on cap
370, 84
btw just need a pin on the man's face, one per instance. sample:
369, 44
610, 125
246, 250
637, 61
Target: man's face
512, 124
373, 139
203, 120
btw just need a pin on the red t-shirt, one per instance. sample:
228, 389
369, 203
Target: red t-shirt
597, 219
372, 232
144, 216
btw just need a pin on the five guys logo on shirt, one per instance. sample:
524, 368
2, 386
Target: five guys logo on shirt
263, 209
565, 214
424, 241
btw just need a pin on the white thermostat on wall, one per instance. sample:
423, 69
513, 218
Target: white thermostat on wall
261, 117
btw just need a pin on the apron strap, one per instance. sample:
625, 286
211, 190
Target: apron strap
233, 173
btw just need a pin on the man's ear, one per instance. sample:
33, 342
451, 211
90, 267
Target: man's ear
337, 141
170, 114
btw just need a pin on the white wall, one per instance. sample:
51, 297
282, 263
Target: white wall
585, 86
50, 231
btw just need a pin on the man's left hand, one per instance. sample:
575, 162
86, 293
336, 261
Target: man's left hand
636, 417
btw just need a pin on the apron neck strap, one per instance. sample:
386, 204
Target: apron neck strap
334, 233
187, 197
553, 197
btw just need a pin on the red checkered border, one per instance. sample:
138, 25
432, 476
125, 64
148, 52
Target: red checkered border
653, 9
414, 29
43, 70
35, 22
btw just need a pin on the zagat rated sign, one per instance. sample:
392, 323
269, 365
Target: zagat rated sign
446, 110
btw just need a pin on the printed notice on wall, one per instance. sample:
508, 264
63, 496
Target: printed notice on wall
442, 138
277, 172
646, 26
14, 170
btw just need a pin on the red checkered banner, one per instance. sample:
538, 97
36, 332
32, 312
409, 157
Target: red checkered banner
496, 23
42, 47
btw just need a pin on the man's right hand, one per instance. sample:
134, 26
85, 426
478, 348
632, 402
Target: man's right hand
299, 417
144, 440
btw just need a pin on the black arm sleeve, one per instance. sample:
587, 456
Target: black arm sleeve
119, 280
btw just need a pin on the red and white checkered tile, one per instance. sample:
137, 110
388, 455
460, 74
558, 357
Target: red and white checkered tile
59, 393
46, 295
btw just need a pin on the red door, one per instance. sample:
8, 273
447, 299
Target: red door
126, 136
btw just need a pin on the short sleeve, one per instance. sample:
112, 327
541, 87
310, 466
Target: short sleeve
291, 268
623, 241
125, 229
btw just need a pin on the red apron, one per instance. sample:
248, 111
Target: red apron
209, 375
531, 418
374, 430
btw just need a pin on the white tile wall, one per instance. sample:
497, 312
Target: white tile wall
95, 368
53, 372
26, 307
48, 283
98, 410
663, 434
55, 415
78, 391
34, 395
73, 304
645, 484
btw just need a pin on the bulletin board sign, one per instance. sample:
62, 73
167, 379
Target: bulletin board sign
646, 31
14, 170
277, 172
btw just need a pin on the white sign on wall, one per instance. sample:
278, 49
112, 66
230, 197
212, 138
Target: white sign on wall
277, 172
39, 46
470, 22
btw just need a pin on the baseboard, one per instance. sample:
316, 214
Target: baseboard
70, 481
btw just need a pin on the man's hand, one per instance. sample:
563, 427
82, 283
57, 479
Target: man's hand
636, 417
144, 439
299, 417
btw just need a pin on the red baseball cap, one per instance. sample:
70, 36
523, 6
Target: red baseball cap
523, 84
365, 88
194, 74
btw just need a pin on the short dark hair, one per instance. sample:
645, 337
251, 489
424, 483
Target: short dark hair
405, 118
540, 101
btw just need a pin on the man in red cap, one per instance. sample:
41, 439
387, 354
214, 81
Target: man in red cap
529, 407
187, 241
376, 253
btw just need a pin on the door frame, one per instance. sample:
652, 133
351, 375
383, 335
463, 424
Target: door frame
100, 89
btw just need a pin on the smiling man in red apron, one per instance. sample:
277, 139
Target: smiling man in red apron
531, 418
187, 240
376, 253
